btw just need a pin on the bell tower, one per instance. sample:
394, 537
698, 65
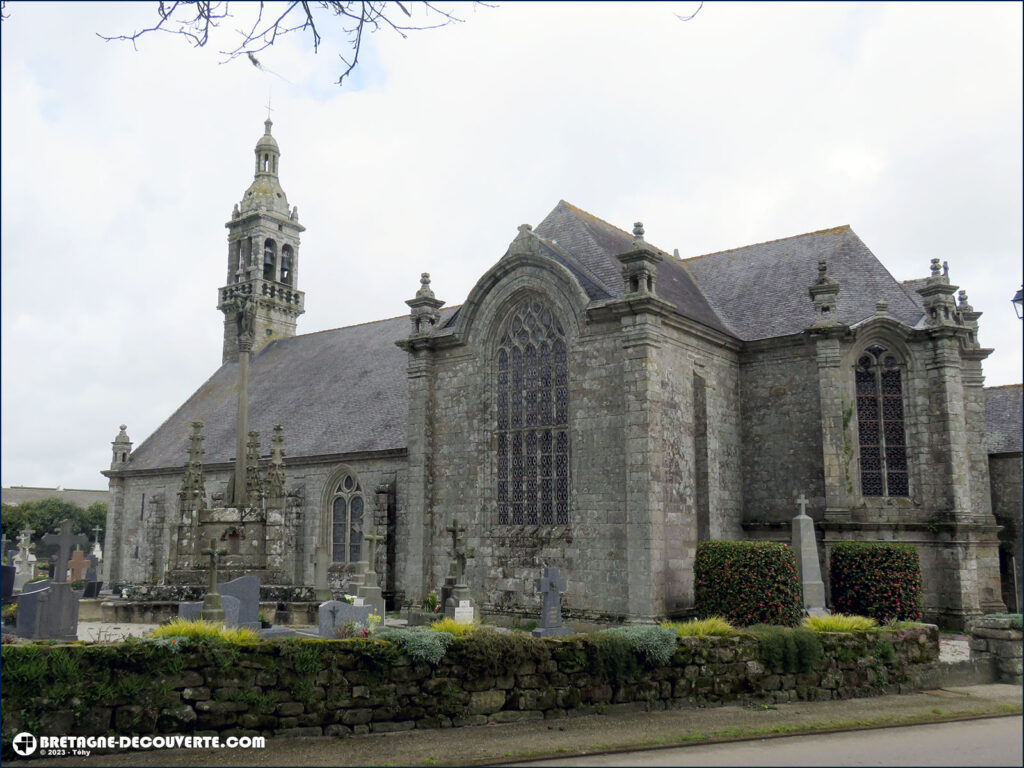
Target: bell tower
260, 301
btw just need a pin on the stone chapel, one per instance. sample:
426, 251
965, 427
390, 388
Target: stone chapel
595, 404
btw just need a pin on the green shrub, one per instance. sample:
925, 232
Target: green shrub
838, 622
747, 582
654, 645
877, 579
785, 649
419, 643
1016, 619
711, 626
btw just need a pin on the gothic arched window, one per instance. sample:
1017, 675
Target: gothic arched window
882, 436
533, 418
347, 521
269, 259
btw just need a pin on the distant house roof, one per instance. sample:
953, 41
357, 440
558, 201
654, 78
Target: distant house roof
19, 494
1003, 418
338, 391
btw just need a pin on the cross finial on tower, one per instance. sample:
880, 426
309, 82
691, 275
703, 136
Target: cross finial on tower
269, 108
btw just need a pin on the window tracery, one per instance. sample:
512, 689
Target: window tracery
533, 421
880, 423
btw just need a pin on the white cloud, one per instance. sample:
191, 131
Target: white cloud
751, 122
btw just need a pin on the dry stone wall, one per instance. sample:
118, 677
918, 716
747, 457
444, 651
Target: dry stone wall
314, 688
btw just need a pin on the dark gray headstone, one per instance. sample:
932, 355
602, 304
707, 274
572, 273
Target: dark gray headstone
190, 611
246, 590
335, 614
232, 608
92, 589
7, 585
36, 586
551, 584
30, 608
94, 568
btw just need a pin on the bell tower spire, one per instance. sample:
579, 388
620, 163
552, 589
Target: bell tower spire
260, 301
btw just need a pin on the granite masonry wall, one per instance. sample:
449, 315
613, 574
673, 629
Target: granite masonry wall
313, 688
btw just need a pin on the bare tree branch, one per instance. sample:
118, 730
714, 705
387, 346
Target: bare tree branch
688, 18
196, 19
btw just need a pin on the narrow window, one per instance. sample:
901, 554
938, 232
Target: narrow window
266, 162
533, 419
347, 521
883, 444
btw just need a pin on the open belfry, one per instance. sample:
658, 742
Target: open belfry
597, 405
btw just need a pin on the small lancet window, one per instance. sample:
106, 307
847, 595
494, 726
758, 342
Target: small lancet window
347, 521
266, 162
880, 424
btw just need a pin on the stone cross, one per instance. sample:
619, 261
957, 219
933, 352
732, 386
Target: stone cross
802, 503
551, 581
550, 585
458, 556
64, 541
25, 540
214, 555
78, 565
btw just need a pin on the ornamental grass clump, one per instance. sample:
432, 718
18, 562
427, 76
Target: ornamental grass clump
877, 579
201, 629
454, 627
839, 622
713, 626
747, 582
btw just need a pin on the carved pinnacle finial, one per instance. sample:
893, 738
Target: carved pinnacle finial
881, 307
945, 269
638, 230
936, 269
524, 228
425, 287
822, 268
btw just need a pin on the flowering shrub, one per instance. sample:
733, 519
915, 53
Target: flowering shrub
877, 579
747, 582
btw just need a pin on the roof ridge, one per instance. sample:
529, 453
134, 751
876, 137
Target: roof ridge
359, 325
1006, 386
599, 220
838, 228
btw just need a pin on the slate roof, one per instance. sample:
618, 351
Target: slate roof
338, 391
345, 391
19, 494
580, 238
1003, 418
761, 290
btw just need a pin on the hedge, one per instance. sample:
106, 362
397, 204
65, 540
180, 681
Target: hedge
877, 579
747, 582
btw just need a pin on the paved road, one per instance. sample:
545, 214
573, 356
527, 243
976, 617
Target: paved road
995, 741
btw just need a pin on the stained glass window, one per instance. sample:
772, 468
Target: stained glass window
533, 419
883, 444
347, 521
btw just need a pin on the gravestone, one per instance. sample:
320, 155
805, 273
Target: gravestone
37, 586
97, 550
333, 615
78, 565
24, 561
458, 604
370, 591
7, 586
805, 546
246, 590
92, 590
550, 584
94, 568
30, 607
231, 606
48, 613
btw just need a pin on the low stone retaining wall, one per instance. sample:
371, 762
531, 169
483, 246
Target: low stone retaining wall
312, 688
158, 611
995, 637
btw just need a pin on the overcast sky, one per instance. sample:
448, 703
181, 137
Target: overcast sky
749, 123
